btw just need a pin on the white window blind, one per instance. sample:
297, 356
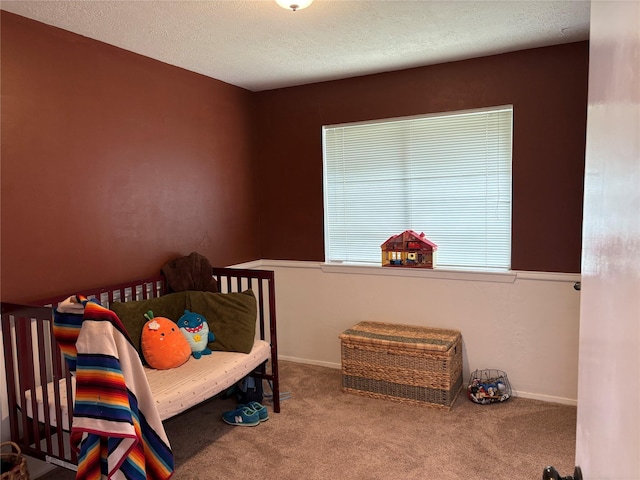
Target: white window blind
447, 175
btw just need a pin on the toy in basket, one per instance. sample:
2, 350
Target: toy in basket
488, 386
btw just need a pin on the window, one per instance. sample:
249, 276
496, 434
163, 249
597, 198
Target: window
447, 175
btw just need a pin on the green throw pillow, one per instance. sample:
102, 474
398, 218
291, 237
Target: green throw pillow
131, 314
231, 318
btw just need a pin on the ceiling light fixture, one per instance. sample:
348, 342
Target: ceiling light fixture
294, 4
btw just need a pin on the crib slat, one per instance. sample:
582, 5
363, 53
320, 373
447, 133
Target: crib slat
8, 329
67, 376
60, 372
261, 307
43, 352
27, 364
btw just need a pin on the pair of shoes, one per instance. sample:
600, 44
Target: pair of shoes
242, 417
263, 413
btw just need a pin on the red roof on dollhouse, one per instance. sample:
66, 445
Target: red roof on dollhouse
408, 236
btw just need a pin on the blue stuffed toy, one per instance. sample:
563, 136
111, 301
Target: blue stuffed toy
196, 329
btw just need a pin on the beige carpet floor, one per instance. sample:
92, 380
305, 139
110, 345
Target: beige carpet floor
323, 433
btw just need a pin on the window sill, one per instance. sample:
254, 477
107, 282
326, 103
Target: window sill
460, 275
500, 277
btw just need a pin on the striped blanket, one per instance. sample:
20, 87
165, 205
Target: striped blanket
116, 428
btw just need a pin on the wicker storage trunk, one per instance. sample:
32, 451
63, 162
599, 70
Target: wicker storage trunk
411, 364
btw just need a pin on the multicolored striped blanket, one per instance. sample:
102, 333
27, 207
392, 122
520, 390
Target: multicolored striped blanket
116, 428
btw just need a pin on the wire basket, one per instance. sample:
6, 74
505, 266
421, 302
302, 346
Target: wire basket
489, 386
14, 465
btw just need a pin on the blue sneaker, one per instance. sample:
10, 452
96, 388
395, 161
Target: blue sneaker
242, 417
263, 413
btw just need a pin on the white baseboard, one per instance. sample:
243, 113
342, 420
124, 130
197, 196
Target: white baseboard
546, 398
521, 394
310, 362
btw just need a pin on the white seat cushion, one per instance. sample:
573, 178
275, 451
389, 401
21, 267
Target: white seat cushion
177, 389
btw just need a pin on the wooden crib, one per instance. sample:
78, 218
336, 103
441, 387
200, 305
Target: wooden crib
38, 377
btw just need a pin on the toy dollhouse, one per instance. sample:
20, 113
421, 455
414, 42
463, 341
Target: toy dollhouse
409, 249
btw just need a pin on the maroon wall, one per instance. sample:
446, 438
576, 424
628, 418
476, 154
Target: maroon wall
113, 163
548, 89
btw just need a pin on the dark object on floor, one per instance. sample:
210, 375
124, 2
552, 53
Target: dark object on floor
250, 390
550, 473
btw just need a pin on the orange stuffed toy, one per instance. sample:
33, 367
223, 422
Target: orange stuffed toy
163, 344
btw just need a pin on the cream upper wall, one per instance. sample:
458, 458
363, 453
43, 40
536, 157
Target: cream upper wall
524, 323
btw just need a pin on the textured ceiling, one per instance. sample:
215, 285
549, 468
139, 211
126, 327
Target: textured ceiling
258, 45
